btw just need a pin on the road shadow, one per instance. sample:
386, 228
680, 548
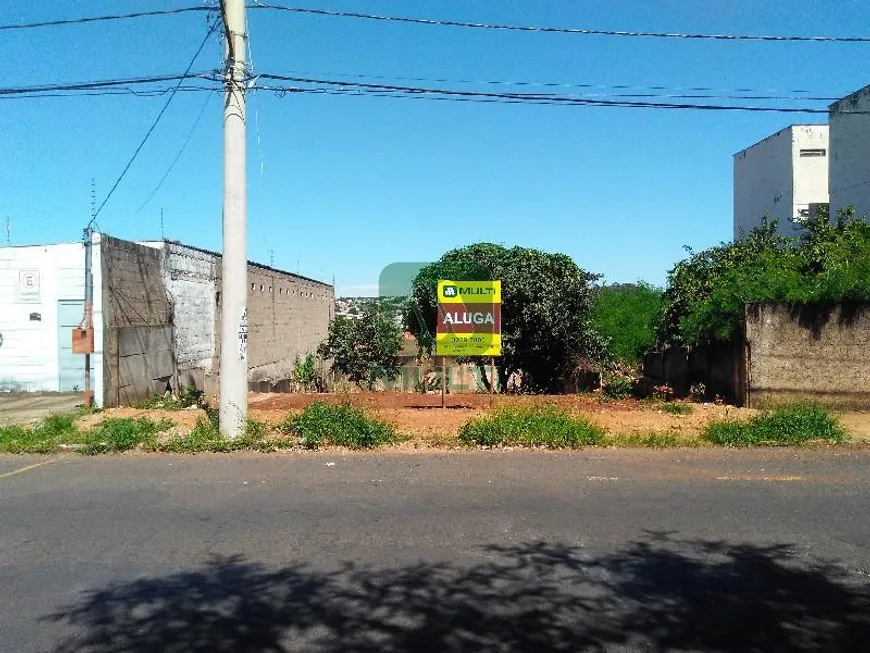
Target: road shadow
660, 594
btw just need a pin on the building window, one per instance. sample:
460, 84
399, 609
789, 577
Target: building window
814, 152
253, 286
261, 287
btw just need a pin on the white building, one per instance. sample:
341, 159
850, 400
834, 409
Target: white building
849, 181
782, 177
42, 290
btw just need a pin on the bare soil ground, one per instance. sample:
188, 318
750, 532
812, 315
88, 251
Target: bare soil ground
426, 425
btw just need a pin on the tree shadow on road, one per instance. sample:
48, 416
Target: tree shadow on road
660, 594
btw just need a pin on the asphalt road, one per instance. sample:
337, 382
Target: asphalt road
743, 551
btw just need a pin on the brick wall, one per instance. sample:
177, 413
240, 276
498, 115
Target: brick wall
288, 317
162, 320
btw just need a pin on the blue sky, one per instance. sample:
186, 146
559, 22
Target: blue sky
344, 186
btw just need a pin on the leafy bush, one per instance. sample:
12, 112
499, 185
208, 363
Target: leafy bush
366, 348
114, 435
698, 391
706, 292
539, 426
618, 384
792, 425
305, 372
340, 424
672, 408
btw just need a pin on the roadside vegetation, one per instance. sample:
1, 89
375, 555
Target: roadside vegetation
625, 314
538, 426
345, 425
534, 425
188, 397
706, 292
111, 435
787, 426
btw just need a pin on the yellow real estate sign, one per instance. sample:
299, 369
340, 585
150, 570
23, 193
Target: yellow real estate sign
469, 318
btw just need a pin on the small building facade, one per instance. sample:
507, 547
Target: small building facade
156, 319
849, 170
783, 177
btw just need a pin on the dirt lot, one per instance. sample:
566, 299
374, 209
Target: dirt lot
428, 425
422, 417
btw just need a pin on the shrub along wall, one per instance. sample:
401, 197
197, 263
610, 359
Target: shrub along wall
786, 353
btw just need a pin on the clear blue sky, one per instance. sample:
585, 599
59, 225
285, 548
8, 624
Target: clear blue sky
347, 185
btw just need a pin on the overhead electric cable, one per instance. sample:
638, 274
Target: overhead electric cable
562, 30
760, 94
448, 23
102, 84
100, 19
177, 156
156, 120
513, 98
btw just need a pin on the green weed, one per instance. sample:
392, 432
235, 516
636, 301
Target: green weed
42, 438
187, 397
672, 408
539, 426
787, 426
114, 435
341, 424
110, 436
206, 437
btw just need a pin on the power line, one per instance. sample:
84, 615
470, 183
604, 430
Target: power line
105, 18
562, 30
542, 101
177, 156
126, 87
449, 23
335, 87
149, 93
649, 91
103, 84
156, 120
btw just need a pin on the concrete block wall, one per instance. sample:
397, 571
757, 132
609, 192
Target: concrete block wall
139, 351
808, 352
191, 276
288, 317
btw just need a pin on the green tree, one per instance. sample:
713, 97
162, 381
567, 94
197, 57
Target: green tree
365, 349
626, 315
546, 310
305, 372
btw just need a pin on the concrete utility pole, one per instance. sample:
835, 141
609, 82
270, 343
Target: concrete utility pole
234, 280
